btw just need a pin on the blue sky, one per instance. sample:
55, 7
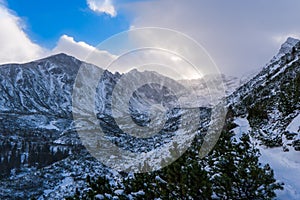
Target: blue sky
46, 21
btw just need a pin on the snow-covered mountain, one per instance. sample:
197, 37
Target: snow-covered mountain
267, 107
230, 83
272, 97
198, 91
40, 149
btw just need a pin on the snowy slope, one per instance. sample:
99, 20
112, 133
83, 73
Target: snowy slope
276, 133
268, 94
286, 165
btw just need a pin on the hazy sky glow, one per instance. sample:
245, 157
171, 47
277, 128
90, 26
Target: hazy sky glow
240, 36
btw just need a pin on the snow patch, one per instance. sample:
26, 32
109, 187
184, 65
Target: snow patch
293, 127
243, 127
286, 165
286, 168
50, 126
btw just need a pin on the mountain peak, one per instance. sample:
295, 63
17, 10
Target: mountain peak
59, 56
292, 40
288, 45
61, 59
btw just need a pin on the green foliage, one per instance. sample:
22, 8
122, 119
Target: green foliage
185, 177
257, 113
231, 171
270, 141
14, 155
290, 96
237, 173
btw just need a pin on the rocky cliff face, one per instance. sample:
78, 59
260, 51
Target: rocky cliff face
270, 100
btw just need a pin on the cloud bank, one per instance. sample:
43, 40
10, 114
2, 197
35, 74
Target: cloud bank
240, 36
15, 44
83, 51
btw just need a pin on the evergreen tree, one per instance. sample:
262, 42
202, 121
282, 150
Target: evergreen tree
237, 173
231, 171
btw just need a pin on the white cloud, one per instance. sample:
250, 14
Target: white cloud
102, 6
240, 36
15, 44
83, 51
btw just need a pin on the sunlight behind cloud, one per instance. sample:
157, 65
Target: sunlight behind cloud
159, 50
238, 35
175, 58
